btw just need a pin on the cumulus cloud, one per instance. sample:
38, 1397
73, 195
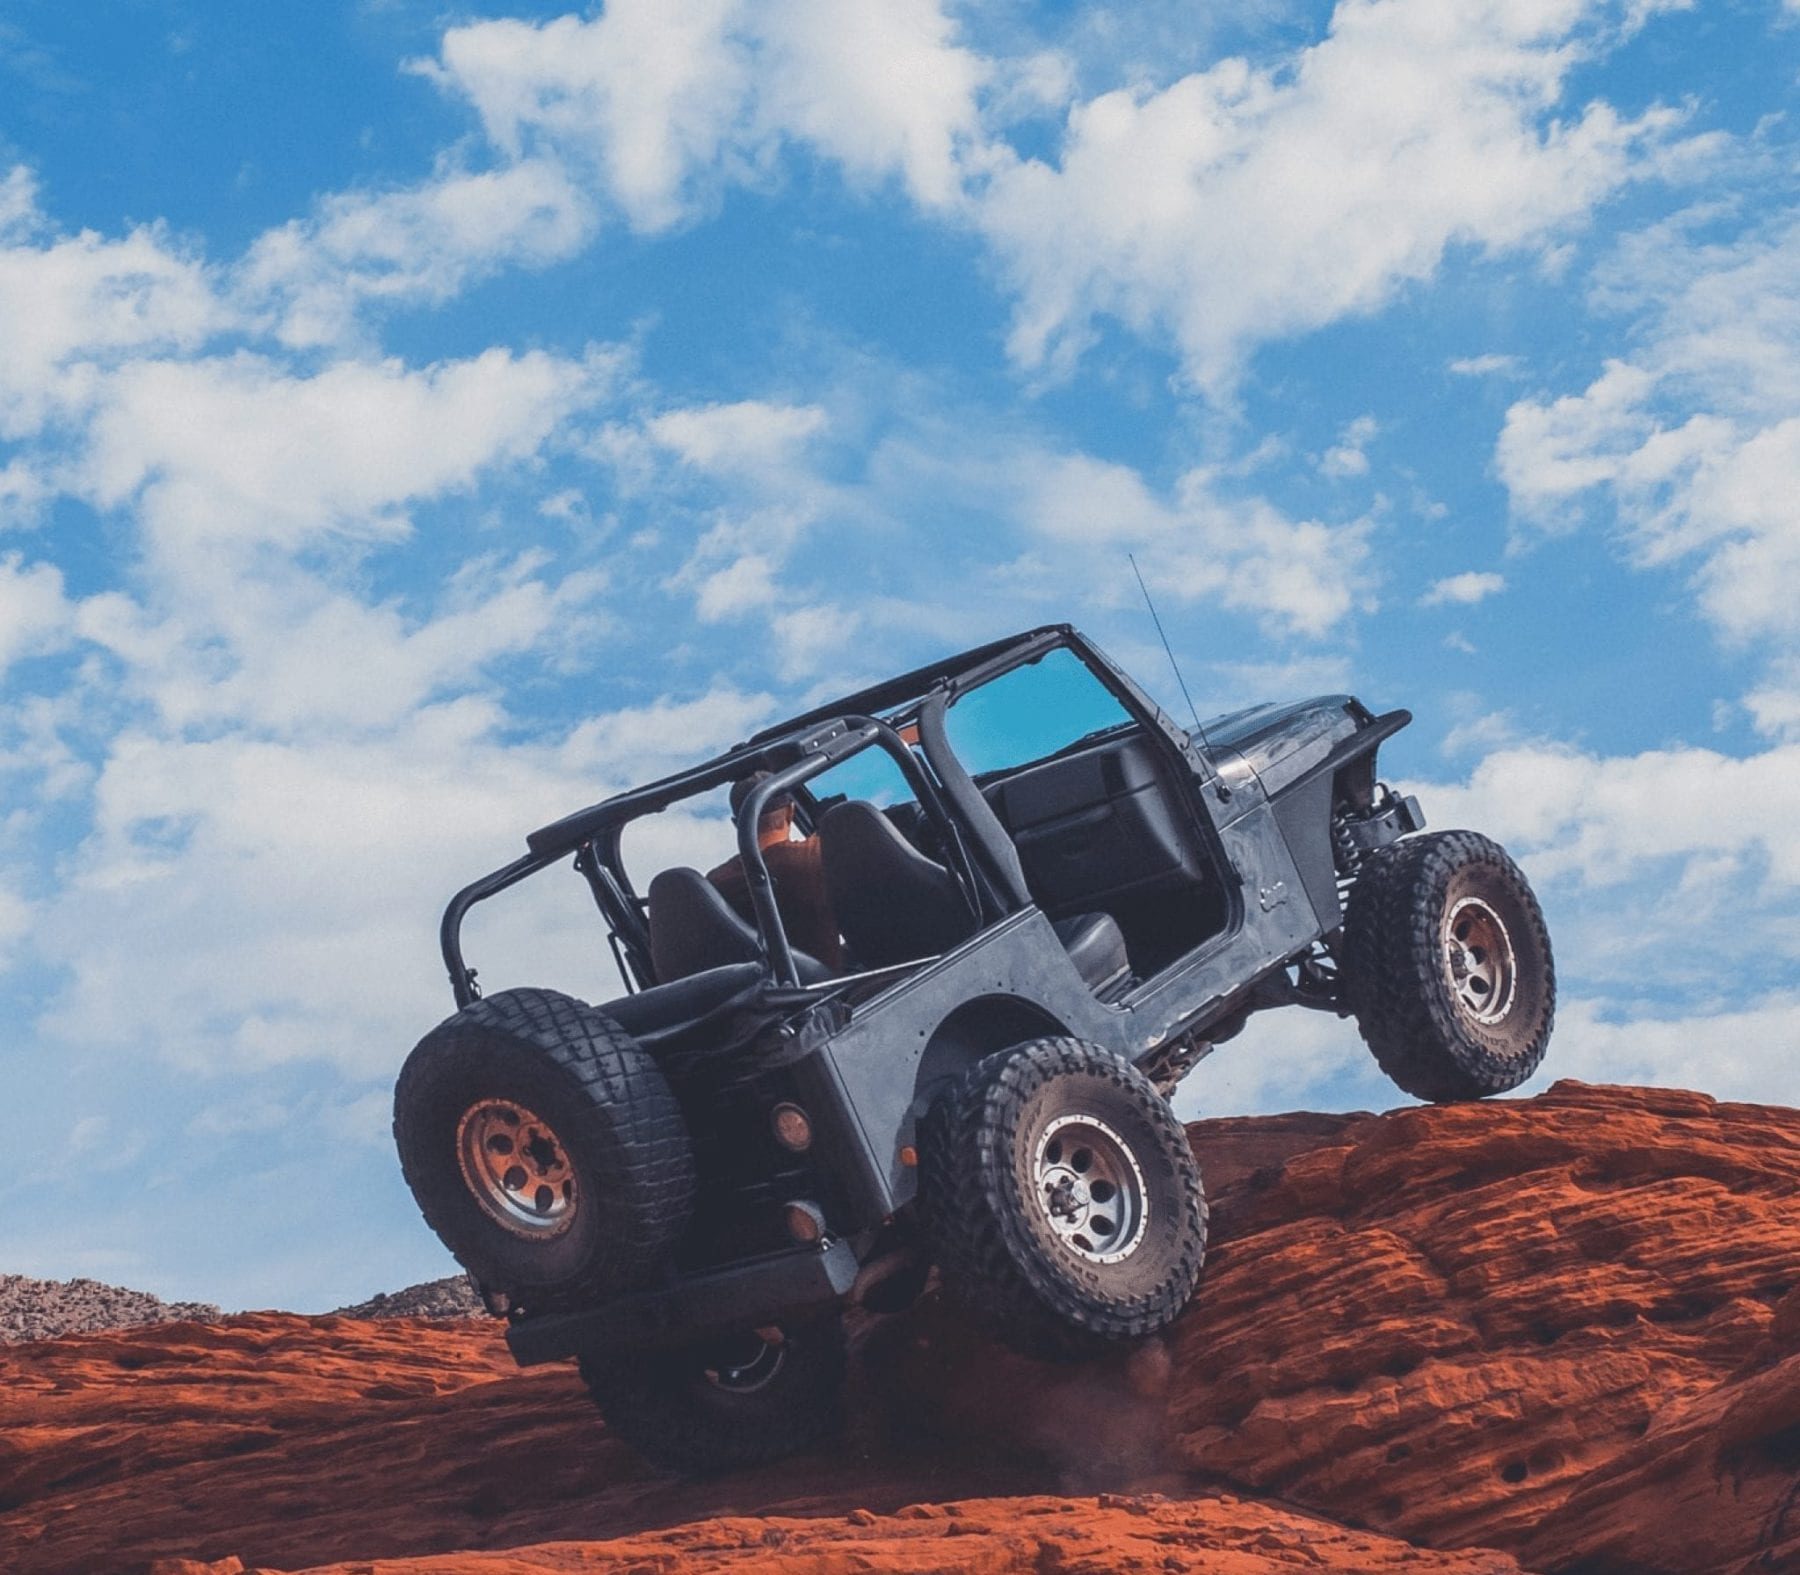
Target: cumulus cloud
1349, 455
1665, 873
34, 613
1463, 590
1254, 201
746, 435
1250, 200
1733, 1052
70, 303
410, 245
1605, 819
1297, 576
248, 901
1690, 445
241, 449
663, 102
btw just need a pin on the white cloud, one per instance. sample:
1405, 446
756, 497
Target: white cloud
1243, 202
810, 639
1489, 365
240, 450
34, 613
1692, 443
743, 585
1607, 819
1732, 1052
1349, 456
1671, 881
1248, 202
418, 244
748, 435
1463, 590
1299, 576
879, 85
18, 203
245, 902
665, 99
72, 300
15, 922
1483, 732
648, 92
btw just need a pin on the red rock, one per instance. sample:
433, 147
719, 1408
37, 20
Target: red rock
1553, 1327
1457, 1324
1016, 1536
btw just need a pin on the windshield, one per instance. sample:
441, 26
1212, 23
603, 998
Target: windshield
1031, 713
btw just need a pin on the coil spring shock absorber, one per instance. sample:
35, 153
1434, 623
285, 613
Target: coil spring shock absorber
1346, 855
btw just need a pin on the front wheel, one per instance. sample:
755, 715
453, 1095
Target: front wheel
1447, 966
736, 1400
1062, 1199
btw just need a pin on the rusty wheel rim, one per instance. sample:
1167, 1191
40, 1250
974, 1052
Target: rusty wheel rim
1479, 962
517, 1169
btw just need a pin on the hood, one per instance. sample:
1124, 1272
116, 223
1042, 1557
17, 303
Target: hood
1280, 742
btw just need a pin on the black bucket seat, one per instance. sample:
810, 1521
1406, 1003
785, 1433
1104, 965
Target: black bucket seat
693, 928
895, 904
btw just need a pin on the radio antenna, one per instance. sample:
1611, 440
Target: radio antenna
1199, 726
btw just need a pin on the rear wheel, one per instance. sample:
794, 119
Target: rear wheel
1062, 1199
736, 1400
545, 1148
1447, 966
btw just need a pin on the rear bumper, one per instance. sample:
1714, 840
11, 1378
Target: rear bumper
764, 1291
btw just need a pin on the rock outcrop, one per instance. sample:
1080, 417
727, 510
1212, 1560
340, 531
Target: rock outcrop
42, 1309
454, 1296
1455, 1325
1559, 1334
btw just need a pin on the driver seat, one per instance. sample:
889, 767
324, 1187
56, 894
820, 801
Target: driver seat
693, 928
895, 905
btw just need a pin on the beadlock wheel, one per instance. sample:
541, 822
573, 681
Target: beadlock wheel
1479, 960
1091, 1188
1061, 1199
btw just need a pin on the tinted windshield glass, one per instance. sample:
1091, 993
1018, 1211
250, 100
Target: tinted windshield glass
1031, 713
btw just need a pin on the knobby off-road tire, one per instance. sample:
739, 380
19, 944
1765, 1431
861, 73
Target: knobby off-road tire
1061, 1199
545, 1148
737, 1401
1447, 966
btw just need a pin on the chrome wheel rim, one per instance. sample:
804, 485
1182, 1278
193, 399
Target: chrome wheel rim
1090, 1189
1479, 963
517, 1169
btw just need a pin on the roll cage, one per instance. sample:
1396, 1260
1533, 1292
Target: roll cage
971, 841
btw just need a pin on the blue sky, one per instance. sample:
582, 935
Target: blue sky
414, 425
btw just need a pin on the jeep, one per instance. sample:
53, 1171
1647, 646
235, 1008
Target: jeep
977, 922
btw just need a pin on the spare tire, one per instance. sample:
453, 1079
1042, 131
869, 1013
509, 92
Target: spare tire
545, 1148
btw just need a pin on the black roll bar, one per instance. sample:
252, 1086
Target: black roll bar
578, 834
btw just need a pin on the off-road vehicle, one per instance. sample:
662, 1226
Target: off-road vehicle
1043, 909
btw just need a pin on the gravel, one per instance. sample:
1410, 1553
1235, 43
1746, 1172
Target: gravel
448, 1298
42, 1309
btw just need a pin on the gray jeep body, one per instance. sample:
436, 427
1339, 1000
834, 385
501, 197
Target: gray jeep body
1268, 809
